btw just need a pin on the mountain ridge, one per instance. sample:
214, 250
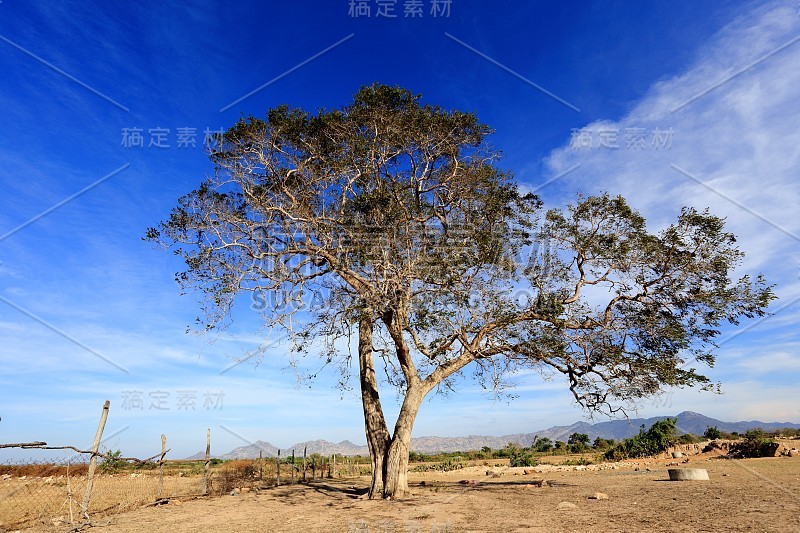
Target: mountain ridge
687, 422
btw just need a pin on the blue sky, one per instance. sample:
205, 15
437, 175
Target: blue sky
669, 104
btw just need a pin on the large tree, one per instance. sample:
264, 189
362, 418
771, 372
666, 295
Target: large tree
390, 221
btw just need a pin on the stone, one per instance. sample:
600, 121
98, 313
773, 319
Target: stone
688, 474
677, 455
566, 506
793, 453
599, 496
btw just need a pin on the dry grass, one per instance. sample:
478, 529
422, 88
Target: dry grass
55, 499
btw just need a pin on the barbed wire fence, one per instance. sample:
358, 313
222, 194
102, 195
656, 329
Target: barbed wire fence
71, 490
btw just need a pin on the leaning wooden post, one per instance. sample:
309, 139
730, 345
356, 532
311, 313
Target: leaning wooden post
279, 468
292, 466
334, 465
305, 449
208, 462
93, 461
260, 465
161, 466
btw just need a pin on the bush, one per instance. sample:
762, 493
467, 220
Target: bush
523, 457
112, 464
541, 445
602, 445
657, 439
689, 438
578, 442
712, 433
754, 444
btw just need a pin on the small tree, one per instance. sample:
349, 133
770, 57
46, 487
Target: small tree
658, 438
755, 443
542, 444
601, 444
391, 220
578, 442
712, 433
112, 462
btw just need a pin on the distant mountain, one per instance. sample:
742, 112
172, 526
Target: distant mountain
687, 422
322, 447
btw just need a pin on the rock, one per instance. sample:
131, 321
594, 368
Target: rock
772, 449
599, 496
580, 468
234, 493
566, 506
688, 474
527, 472
245, 489
469, 481
677, 455
794, 452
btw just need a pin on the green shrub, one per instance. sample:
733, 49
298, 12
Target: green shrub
523, 457
541, 445
602, 445
754, 444
657, 439
712, 433
689, 438
578, 442
112, 464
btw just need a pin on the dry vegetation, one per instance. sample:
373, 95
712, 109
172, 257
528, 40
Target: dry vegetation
750, 494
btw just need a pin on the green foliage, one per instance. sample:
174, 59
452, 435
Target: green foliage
755, 443
712, 433
657, 439
601, 444
578, 442
688, 438
112, 463
522, 457
542, 445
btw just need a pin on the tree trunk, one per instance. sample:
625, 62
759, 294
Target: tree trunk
377, 432
396, 462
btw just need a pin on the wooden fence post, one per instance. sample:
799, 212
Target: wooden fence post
292, 466
93, 461
334, 465
313, 468
208, 462
161, 466
260, 465
305, 449
279, 467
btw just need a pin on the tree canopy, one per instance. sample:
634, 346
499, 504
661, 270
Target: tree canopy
391, 221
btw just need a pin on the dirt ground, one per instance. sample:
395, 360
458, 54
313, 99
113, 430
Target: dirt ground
741, 495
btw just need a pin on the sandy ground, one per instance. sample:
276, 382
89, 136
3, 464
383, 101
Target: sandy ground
743, 495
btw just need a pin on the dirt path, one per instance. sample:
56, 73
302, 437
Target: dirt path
748, 495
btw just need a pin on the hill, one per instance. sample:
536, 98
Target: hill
688, 422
